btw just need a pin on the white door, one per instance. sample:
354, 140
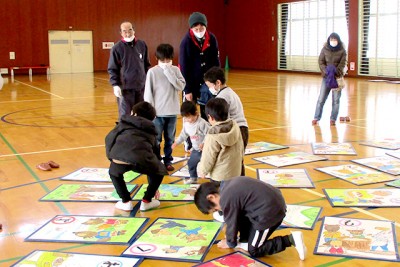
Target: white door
71, 51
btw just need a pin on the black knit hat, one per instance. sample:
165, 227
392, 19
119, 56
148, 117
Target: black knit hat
334, 35
196, 18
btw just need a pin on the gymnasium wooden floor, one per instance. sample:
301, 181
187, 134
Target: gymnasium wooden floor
66, 118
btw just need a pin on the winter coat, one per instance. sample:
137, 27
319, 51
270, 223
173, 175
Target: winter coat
128, 64
223, 151
338, 58
194, 60
133, 141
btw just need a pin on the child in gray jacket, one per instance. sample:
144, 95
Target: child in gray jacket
196, 128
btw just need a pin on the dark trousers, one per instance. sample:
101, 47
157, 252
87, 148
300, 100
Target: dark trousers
128, 99
117, 171
259, 244
193, 161
245, 137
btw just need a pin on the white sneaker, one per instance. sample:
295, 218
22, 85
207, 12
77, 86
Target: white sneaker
218, 217
148, 206
190, 181
244, 246
128, 206
299, 244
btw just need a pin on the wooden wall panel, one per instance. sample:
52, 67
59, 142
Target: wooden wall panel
25, 25
244, 29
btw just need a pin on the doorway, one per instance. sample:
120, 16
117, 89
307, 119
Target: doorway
71, 51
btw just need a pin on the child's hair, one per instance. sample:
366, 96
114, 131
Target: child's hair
217, 108
188, 108
145, 110
214, 74
164, 51
200, 197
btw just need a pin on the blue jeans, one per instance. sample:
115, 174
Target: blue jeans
193, 161
323, 95
166, 125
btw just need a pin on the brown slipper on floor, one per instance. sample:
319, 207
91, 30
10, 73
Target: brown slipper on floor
44, 167
53, 164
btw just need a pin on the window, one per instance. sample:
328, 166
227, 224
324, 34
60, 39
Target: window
379, 38
304, 27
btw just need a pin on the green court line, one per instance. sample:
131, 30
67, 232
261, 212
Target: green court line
46, 189
335, 262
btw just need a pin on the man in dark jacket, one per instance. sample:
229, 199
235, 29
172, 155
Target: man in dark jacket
252, 208
127, 66
198, 53
132, 145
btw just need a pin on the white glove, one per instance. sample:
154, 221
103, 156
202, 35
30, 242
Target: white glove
117, 91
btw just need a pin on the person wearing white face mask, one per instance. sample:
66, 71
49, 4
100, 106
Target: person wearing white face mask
332, 63
127, 67
163, 84
198, 53
216, 82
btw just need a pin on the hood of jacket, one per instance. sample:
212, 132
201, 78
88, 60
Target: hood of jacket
225, 132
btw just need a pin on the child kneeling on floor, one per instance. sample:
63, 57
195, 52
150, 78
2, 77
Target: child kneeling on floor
252, 208
132, 146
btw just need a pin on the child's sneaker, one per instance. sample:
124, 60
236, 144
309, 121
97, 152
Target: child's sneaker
190, 181
299, 244
218, 216
244, 246
128, 206
148, 206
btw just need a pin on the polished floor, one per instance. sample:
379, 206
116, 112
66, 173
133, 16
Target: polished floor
65, 117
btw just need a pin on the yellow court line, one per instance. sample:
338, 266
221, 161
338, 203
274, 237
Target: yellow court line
37, 88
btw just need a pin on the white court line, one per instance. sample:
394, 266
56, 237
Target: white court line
37, 88
269, 128
49, 151
356, 209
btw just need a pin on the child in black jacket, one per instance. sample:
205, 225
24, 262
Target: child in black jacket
252, 208
132, 145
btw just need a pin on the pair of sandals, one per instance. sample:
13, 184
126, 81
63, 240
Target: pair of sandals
47, 166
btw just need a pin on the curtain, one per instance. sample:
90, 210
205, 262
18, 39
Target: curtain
364, 65
284, 26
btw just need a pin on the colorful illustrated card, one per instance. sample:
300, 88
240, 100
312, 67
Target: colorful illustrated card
184, 172
295, 178
358, 238
175, 239
171, 192
43, 258
395, 183
356, 174
299, 216
383, 163
89, 229
385, 143
260, 147
381, 197
237, 258
288, 159
395, 154
333, 149
85, 192
97, 175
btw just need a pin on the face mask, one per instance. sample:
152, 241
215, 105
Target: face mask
199, 34
129, 39
165, 64
333, 43
213, 91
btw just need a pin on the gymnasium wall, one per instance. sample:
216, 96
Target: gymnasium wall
246, 30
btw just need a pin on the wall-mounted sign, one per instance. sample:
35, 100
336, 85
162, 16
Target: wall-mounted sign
108, 45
